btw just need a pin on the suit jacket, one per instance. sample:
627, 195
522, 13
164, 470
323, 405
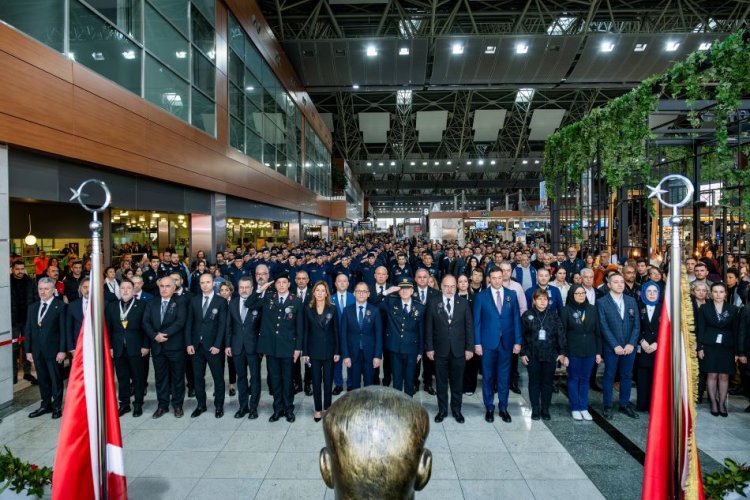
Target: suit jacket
282, 324
109, 295
173, 325
404, 333
145, 296
709, 326
321, 339
555, 298
210, 329
242, 336
493, 330
370, 336
126, 340
649, 333
46, 340
335, 299
431, 295
449, 335
73, 322
582, 331
616, 330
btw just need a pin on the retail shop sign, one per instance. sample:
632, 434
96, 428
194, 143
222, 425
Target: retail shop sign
484, 213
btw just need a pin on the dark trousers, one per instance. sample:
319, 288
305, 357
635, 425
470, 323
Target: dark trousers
579, 369
428, 371
49, 375
169, 373
129, 371
644, 380
189, 372
298, 379
496, 369
387, 369
282, 384
232, 369
471, 374
17, 333
322, 375
404, 367
541, 376
449, 370
614, 364
514, 370
248, 364
146, 360
338, 374
201, 358
361, 369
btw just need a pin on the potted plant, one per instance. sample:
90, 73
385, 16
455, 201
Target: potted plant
20, 478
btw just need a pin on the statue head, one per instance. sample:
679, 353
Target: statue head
375, 440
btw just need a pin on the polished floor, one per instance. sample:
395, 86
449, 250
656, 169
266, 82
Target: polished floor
226, 458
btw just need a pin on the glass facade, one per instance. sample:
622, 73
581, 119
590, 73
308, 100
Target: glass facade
161, 50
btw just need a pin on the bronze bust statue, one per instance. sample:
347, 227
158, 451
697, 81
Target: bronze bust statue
375, 440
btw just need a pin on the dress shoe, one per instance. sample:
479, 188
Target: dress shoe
546, 415
191, 393
122, 410
31, 378
714, 413
137, 411
459, 418
723, 410
595, 387
160, 412
489, 416
514, 388
198, 411
219, 412
179, 412
439, 417
505, 416
317, 419
232, 391
56, 414
608, 412
430, 390
535, 415
39, 412
629, 411
290, 417
276, 416
242, 412
308, 390
386, 382
337, 390
252, 415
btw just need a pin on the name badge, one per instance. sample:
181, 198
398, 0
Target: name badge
719, 337
542, 334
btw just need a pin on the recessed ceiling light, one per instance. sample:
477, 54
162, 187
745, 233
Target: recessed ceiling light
372, 51
492, 162
412, 163
369, 164
393, 163
704, 46
672, 46
457, 48
480, 162
525, 162
403, 51
448, 162
522, 48
640, 47
380, 164
437, 163
355, 86
468, 162
490, 49
606, 47
536, 162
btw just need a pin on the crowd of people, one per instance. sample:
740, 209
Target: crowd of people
329, 317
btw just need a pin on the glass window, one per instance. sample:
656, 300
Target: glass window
203, 113
40, 19
253, 61
208, 9
236, 134
236, 37
125, 14
99, 46
203, 34
174, 10
166, 43
236, 103
165, 89
254, 146
204, 74
235, 68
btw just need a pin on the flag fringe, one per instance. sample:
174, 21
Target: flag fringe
693, 488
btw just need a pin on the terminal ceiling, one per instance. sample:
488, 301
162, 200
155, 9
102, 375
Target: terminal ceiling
436, 100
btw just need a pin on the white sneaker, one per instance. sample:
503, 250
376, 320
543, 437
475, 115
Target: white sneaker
586, 415
577, 415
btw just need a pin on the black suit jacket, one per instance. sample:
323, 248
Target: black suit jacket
431, 295
449, 336
126, 340
649, 333
73, 324
210, 329
242, 336
281, 327
321, 333
46, 340
173, 325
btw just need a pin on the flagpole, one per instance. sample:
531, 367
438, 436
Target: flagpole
96, 294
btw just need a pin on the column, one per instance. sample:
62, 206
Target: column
6, 351
219, 227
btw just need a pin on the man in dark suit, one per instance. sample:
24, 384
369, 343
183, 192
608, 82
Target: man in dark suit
206, 327
341, 298
138, 291
151, 276
424, 293
128, 346
404, 334
449, 342
302, 290
542, 281
620, 326
164, 324
361, 338
497, 335
183, 295
21, 297
242, 340
45, 346
74, 316
281, 336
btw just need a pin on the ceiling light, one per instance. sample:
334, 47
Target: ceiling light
437, 163
672, 46
267, 164
448, 162
372, 51
490, 49
355, 86
521, 48
704, 46
369, 164
393, 163
129, 54
181, 54
468, 162
412, 163
97, 56
250, 88
457, 49
403, 51
536, 162
380, 164
480, 162
524, 95
606, 47
424, 163
71, 56
640, 47
492, 162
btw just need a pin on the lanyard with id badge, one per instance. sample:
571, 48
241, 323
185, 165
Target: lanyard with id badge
542, 331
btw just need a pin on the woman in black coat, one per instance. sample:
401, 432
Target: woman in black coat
321, 344
651, 300
718, 345
471, 371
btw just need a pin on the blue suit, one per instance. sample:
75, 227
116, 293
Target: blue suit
338, 368
616, 331
496, 333
361, 345
555, 298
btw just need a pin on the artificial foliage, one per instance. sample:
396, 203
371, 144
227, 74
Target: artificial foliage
21, 476
618, 134
734, 478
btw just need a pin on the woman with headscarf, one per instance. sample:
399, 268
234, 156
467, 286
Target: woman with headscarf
650, 314
583, 348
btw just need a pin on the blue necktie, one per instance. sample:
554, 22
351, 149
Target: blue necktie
361, 317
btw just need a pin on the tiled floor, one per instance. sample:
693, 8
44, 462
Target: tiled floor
226, 458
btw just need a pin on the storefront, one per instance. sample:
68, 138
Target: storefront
314, 228
140, 231
254, 224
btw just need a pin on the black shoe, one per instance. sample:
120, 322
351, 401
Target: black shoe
535, 415
252, 415
219, 412
505, 416
723, 410
439, 417
56, 414
308, 390
39, 412
290, 417
317, 419
297, 388
122, 410
514, 388
232, 391
430, 390
15, 380
159, 413
132, 391
276, 416
489, 416
198, 412
179, 412
715, 413
416, 388
386, 382
337, 390
546, 415
137, 411
629, 411
31, 378
459, 418
242, 412
191, 393
595, 387
607, 412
